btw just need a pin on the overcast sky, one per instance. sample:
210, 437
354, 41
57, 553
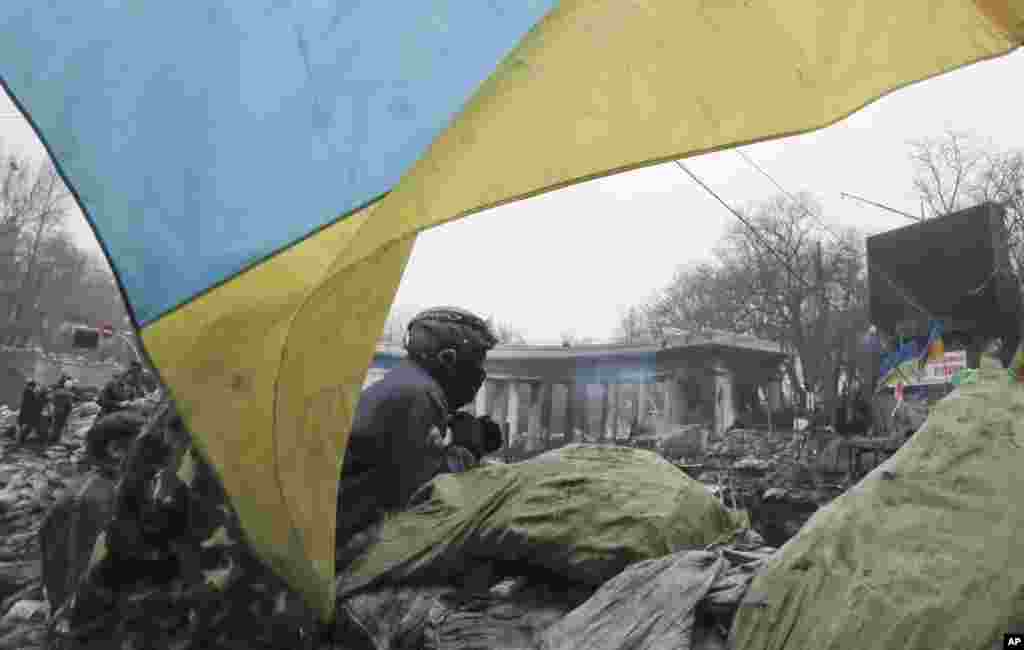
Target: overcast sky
574, 258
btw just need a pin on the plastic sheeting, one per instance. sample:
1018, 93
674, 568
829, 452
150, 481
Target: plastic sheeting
582, 513
923, 553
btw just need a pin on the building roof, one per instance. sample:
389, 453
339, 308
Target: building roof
686, 341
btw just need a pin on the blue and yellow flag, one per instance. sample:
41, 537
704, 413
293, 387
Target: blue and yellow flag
935, 350
257, 171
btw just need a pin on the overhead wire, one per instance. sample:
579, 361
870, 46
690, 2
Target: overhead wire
903, 294
796, 201
786, 265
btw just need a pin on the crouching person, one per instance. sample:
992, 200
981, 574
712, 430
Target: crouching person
400, 435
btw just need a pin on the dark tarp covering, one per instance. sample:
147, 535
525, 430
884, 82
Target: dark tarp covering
940, 262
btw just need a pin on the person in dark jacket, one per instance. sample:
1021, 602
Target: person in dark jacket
113, 397
118, 392
62, 399
31, 413
400, 436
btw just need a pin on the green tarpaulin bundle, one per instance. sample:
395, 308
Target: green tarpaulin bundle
581, 512
923, 553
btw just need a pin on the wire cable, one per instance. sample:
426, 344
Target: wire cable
750, 226
796, 201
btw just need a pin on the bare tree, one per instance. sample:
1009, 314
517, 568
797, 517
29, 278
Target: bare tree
944, 169
959, 169
633, 326
506, 333
788, 283
46, 280
35, 203
568, 338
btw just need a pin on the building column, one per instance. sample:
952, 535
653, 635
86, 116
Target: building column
581, 412
497, 407
593, 405
570, 412
641, 406
513, 412
668, 415
725, 409
547, 400
610, 418
533, 420
683, 398
480, 403
680, 404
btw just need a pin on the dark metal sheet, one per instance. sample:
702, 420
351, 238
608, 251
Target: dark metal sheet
956, 267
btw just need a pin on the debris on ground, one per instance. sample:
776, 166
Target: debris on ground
806, 471
33, 477
553, 553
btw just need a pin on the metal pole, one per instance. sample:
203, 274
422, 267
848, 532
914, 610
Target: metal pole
847, 195
125, 339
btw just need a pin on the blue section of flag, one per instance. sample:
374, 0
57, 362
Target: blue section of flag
202, 136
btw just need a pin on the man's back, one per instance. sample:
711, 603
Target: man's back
389, 454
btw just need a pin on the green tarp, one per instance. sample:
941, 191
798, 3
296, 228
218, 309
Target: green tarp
924, 553
581, 512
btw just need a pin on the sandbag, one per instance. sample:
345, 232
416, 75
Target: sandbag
508, 615
582, 512
391, 618
511, 616
649, 606
923, 553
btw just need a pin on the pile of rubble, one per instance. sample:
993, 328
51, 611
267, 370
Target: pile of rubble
150, 554
588, 547
119, 571
33, 477
780, 477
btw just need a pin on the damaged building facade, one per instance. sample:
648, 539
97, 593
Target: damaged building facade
548, 394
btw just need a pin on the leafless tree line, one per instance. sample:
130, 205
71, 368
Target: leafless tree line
794, 280
46, 280
959, 169
802, 284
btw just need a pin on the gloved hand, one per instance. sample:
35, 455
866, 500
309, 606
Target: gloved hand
493, 436
481, 435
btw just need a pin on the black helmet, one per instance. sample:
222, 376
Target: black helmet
438, 328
